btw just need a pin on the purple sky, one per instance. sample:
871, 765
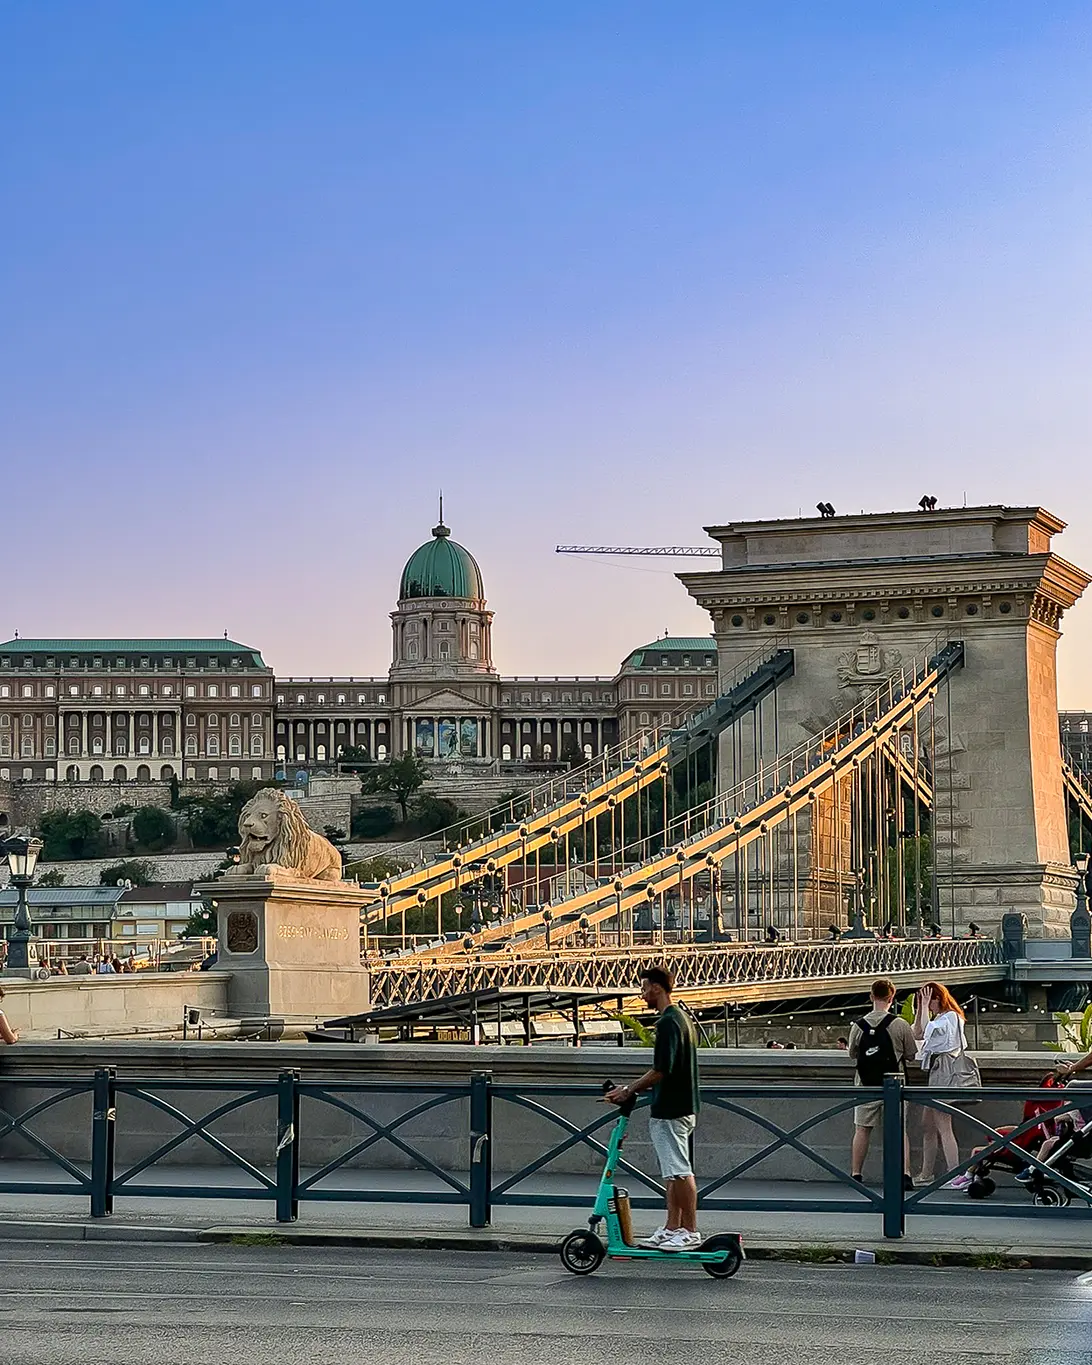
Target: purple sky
607, 272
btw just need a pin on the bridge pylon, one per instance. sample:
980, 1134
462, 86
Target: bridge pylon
853, 597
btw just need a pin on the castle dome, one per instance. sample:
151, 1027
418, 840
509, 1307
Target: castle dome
441, 568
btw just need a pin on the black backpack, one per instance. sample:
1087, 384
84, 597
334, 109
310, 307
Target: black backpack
876, 1052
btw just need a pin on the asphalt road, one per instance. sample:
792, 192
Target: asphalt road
131, 1304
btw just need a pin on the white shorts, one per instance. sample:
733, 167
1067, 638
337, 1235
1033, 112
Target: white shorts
671, 1142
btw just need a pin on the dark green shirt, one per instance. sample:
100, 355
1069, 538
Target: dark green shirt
676, 1059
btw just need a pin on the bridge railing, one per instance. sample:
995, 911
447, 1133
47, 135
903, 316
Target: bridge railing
451, 1140
697, 966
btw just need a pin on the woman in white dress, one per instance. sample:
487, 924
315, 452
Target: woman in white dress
939, 1025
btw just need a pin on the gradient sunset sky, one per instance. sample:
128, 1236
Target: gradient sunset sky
273, 273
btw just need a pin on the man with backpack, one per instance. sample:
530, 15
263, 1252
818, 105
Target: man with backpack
880, 1043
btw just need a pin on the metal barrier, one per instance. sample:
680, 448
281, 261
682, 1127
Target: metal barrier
99, 1179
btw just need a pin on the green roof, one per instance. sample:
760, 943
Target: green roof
673, 644
441, 568
106, 647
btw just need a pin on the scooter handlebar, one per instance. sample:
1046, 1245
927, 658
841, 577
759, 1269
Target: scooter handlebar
627, 1106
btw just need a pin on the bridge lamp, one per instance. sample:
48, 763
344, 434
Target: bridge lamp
22, 855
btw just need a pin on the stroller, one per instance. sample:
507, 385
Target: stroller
1070, 1157
1014, 1157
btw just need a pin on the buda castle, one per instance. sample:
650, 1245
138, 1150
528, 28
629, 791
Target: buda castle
87, 711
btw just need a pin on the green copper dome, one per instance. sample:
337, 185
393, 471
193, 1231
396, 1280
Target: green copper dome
441, 568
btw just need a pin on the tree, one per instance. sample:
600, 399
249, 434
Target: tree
54, 877
401, 777
70, 834
213, 821
201, 923
139, 871
153, 828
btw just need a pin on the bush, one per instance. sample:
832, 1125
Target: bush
70, 834
153, 828
377, 869
54, 877
139, 871
372, 822
431, 813
122, 808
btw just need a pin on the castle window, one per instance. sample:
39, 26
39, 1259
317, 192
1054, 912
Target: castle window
256, 690
28, 691
235, 690
256, 719
213, 690
322, 699
50, 691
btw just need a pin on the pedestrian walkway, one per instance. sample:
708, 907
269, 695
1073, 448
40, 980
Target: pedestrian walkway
1059, 1239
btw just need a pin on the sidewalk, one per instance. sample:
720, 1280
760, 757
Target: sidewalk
1043, 1240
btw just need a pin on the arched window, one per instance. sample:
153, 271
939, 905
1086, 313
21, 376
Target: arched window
191, 746
26, 746
256, 720
282, 753
235, 746
72, 773
214, 774
166, 745
166, 773
381, 753
144, 745
212, 746
121, 773
257, 746
96, 745
321, 753
587, 751
547, 752
144, 773
50, 748
526, 753
506, 753
73, 745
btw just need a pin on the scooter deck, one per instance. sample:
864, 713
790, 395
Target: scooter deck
628, 1253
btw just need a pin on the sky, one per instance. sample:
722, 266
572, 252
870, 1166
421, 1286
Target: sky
272, 274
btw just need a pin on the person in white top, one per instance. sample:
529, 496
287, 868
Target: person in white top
938, 1022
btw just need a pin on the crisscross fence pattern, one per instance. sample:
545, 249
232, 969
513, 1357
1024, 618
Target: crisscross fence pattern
756, 1124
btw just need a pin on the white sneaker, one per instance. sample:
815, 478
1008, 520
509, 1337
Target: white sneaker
656, 1240
681, 1240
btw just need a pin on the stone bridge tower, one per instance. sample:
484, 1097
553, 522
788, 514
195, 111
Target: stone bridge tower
856, 596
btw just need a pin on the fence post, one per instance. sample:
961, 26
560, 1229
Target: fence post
288, 1147
894, 1213
103, 1122
481, 1144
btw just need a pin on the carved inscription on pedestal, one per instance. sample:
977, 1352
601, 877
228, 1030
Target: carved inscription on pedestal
242, 932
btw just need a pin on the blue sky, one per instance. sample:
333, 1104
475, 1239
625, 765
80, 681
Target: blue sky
273, 273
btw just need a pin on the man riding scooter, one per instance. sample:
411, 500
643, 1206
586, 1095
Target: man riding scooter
673, 1115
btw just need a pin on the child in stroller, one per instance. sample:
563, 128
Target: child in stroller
1032, 1142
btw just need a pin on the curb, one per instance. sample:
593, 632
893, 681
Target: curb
13, 1230
840, 1253
814, 1253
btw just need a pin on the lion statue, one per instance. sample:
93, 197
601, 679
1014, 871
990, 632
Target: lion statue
274, 834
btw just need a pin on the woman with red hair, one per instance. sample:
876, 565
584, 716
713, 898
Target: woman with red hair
943, 1054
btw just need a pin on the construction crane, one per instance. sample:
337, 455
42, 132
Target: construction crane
661, 551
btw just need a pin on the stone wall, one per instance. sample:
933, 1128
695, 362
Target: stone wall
43, 1009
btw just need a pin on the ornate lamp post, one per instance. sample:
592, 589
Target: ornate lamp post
22, 855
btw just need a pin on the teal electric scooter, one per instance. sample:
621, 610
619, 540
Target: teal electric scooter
583, 1251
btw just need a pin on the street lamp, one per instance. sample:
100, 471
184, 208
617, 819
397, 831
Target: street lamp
22, 855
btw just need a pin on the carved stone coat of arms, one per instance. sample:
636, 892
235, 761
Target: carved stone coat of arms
868, 664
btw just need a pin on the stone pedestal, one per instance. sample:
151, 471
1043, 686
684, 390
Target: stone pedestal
292, 947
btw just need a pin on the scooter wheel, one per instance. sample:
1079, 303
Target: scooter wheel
582, 1252
723, 1270
1051, 1197
981, 1187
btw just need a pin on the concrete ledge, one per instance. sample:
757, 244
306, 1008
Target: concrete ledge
31, 1230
